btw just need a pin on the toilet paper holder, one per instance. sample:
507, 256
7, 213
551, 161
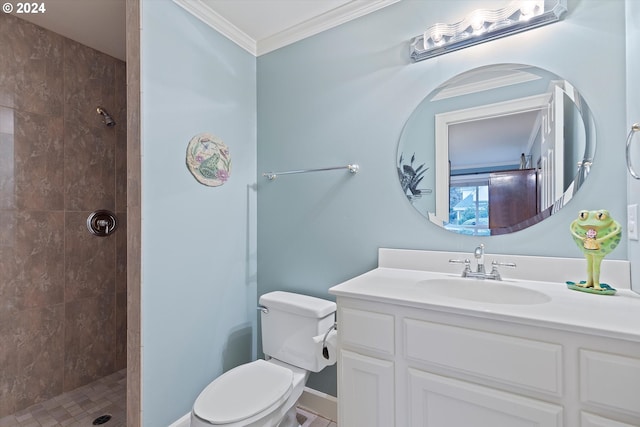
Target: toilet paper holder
325, 350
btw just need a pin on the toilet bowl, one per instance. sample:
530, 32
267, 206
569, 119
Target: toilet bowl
264, 393
257, 394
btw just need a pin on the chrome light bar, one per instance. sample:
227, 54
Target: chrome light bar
483, 25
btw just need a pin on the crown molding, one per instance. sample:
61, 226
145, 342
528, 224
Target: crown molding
345, 13
219, 23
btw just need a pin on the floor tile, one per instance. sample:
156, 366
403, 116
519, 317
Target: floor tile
78, 408
106, 396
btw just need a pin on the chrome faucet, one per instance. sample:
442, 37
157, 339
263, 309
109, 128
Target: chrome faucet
481, 272
478, 253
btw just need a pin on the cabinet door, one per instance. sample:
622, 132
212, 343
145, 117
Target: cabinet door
365, 391
610, 382
437, 401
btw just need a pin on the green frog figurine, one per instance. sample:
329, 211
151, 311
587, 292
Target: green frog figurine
597, 235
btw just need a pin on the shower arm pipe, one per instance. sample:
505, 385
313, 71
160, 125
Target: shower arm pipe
634, 128
353, 168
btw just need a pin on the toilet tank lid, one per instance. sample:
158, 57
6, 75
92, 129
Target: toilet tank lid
303, 305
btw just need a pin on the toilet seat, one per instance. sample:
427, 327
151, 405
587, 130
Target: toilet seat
244, 392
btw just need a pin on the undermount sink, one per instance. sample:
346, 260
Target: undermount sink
483, 291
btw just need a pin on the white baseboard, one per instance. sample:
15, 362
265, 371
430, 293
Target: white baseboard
319, 403
312, 400
185, 421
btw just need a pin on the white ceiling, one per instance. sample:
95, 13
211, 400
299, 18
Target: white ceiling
259, 26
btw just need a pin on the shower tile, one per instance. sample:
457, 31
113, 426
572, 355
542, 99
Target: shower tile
90, 82
38, 164
7, 175
89, 167
9, 364
38, 69
104, 396
8, 63
89, 260
89, 340
40, 342
8, 283
38, 260
8, 223
121, 169
7, 180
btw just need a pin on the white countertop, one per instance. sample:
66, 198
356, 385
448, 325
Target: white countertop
615, 316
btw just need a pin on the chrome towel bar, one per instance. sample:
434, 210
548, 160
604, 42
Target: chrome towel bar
634, 128
353, 168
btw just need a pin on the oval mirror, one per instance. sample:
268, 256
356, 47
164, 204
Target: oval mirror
496, 149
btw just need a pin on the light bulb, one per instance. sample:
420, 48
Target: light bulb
528, 8
477, 22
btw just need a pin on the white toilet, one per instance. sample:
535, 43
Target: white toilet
264, 393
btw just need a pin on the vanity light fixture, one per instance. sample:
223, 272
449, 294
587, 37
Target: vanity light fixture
483, 25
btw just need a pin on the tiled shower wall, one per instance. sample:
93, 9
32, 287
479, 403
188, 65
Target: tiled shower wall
62, 290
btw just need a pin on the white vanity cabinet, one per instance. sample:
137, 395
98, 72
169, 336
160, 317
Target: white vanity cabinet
407, 366
367, 373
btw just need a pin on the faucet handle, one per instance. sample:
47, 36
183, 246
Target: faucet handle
467, 265
494, 268
495, 264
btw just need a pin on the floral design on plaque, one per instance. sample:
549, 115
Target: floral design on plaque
208, 159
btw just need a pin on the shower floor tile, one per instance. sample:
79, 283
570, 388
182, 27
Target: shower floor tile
79, 407
106, 396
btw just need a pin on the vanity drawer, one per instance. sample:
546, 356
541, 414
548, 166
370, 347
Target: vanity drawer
524, 363
366, 330
611, 381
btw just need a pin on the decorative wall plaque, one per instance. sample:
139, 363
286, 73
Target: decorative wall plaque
208, 159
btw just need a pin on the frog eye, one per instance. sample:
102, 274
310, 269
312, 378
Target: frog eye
601, 215
583, 214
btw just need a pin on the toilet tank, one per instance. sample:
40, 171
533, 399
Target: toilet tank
290, 324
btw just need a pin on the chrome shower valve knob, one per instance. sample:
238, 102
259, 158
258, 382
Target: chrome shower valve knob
102, 223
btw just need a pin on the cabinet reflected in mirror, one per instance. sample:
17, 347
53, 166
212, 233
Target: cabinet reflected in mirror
496, 149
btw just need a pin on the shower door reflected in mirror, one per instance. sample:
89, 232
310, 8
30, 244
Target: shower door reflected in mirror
512, 144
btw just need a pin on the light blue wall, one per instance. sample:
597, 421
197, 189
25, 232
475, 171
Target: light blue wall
344, 95
633, 116
198, 242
